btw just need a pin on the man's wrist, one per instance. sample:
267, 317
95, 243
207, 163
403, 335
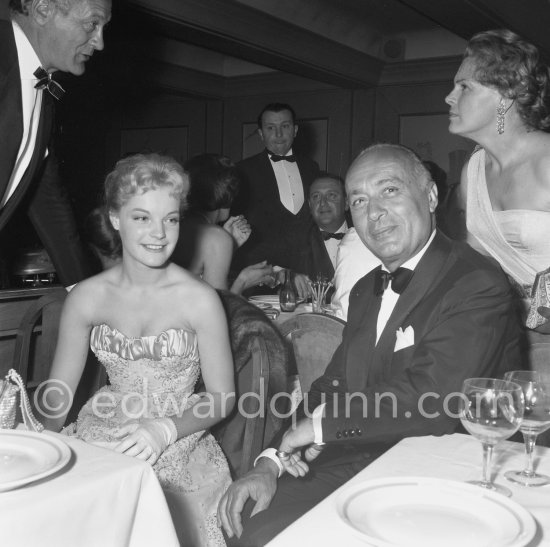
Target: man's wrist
270, 454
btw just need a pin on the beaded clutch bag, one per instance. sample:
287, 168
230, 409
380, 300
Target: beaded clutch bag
540, 296
9, 388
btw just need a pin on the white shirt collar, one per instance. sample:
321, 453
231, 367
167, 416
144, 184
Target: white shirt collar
343, 228
28, 59
412, 263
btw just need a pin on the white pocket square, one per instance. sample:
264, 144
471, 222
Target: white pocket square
405, 338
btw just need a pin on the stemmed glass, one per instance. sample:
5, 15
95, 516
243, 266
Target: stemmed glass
491, 411
536, 420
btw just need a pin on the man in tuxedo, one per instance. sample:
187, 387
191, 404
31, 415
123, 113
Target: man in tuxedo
37, 38
274, 193
435, 313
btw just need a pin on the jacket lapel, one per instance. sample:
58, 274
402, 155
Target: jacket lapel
41, 144
321, 263
361, 331
11, 113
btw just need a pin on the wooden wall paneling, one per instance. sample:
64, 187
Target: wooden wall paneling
170, 112
362, 120
214, 126
395, 101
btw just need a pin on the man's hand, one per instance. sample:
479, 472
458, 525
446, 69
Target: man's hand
545, 327
291, 444
239, 228
301, 282
260, 484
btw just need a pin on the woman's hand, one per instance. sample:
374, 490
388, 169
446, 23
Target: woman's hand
256, 274
239, 229
146, 439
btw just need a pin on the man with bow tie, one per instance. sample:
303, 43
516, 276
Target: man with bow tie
37, 38
274, 193
328, 206
435, 313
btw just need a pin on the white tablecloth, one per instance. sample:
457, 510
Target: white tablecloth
456, 457
101, 499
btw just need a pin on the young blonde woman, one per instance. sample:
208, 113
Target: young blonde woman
156, 328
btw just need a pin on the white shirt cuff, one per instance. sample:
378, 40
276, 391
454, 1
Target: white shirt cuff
271, 453
317, 421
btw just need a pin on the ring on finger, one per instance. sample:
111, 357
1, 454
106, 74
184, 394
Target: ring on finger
282, 455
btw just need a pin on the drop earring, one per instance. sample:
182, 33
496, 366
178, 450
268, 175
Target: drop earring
501, 111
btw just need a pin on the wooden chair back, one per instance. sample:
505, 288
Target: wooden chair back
41, 318
314, 338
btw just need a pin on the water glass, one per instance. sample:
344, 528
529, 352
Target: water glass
491, 410
536, 420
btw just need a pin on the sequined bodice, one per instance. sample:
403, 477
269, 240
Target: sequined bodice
156, 367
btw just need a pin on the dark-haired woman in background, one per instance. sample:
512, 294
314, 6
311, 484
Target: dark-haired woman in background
204, 247
500, 100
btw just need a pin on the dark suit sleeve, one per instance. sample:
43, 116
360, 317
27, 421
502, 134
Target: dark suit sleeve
472, 331
52, 216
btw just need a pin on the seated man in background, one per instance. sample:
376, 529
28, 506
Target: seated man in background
328, 206
334, 251
435, 313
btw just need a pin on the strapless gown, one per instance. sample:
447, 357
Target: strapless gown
154, 376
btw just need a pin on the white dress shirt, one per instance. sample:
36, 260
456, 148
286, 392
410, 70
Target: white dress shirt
31, 103
289, 182
353, 261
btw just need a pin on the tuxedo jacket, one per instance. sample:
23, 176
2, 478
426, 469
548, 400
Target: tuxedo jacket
457, 321
314, 258
39, 190
277, 234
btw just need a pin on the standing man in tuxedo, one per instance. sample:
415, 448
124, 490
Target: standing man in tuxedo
435, 313
37, 38
274, 193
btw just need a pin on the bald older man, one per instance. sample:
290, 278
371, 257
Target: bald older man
435, 313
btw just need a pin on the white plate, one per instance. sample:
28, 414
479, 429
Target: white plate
425, 512
26, 457
266, 301
266, 298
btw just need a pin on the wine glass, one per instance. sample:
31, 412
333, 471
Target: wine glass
491, 411
536, 420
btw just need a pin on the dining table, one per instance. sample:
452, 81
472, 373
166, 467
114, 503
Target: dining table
99, 497
429, 459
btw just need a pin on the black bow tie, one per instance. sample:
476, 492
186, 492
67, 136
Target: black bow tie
45, 81
399, 280
276, 157
328, 235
